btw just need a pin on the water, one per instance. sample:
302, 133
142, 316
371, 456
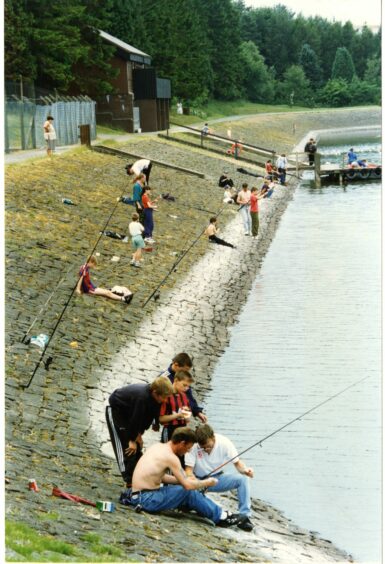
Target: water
311, 327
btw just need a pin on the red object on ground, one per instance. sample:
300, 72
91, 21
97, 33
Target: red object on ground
60, 493
147, 249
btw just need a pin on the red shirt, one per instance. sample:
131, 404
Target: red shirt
146, 201
253, 202
173, 404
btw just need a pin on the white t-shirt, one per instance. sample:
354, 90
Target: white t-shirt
140, 165
51, 133
135, 228
204, 463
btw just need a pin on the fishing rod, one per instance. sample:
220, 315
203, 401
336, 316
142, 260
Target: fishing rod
45, 304
290, 423
49, 359
179, 259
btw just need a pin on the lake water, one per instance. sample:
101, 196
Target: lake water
310, 328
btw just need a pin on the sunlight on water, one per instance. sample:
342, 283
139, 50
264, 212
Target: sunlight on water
310, 328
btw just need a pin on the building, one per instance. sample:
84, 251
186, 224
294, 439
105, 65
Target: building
141, 100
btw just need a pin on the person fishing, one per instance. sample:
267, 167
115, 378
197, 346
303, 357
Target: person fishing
212, 450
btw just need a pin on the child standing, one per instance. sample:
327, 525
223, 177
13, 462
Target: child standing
176, 411
136, 229
254, 212
148, 208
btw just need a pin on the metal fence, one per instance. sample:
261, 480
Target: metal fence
24, 119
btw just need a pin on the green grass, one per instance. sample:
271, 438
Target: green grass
218, 109
103, 129
29, 545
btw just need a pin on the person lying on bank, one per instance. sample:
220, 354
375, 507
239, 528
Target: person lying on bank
211, 233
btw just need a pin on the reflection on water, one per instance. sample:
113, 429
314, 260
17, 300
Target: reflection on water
310, 328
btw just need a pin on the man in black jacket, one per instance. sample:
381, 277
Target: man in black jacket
130, 412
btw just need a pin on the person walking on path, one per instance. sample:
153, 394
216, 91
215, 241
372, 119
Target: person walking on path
49, 135
136, 229
211, 451
130, 412
142, 166
282, 166
254, 212
211, 233
243, 199
85, 286
148, 209
151, 473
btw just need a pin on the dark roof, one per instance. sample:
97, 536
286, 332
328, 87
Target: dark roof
125, 50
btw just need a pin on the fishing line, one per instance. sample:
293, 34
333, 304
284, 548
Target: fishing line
179, 259
49, 360
290, 423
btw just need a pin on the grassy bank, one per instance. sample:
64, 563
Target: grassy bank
216, 109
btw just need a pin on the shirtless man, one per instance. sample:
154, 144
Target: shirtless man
150, 473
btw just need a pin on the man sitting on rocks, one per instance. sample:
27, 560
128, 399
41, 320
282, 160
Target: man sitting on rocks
211, 452
151, 472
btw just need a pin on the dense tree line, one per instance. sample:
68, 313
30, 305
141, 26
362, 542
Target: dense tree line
209, 48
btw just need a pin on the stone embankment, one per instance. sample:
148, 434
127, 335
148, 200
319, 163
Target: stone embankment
55, 428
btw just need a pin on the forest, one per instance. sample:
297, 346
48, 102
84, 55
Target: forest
210, 49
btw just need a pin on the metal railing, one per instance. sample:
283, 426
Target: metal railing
24, 119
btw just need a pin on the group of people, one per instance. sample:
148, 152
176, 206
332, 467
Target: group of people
354, 161
175, 472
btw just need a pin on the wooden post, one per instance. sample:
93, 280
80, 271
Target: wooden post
317, 169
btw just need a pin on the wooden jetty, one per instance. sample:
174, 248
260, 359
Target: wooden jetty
332, 172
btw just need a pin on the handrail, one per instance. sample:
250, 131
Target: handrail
228, 139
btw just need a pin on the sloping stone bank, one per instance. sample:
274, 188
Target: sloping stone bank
54, 429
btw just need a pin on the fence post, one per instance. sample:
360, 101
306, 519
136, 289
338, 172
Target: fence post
85, 135
6, 132
317, 169
236, 149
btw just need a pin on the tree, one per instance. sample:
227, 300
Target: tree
18, 59
373, 71
335, 93
125, 19
177, 40
257, 80
295, 86
310, 64
364, 93
343, 66
223, 26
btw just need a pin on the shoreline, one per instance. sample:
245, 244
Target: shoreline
64, 408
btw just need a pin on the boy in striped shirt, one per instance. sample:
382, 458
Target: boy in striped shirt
176, 411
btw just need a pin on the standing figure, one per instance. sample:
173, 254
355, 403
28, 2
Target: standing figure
176, 411
136, 229
282, 166
142, 166
130, 412
311, 149
254, 212
243, 199
148, 209
49, 135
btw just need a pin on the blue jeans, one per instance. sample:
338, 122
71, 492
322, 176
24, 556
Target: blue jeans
148, 222
238, 482
128, 200
246, 217
172, 497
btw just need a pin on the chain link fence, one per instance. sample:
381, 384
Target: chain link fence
24, 119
